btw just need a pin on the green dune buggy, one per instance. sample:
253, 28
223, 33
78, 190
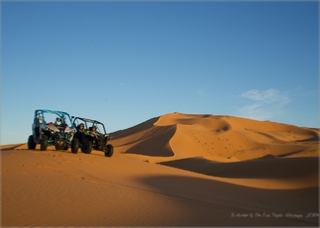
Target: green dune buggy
87, 138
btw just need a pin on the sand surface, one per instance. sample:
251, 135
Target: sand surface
172, 170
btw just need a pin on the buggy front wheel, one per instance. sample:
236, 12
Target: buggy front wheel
87, 147
108, 151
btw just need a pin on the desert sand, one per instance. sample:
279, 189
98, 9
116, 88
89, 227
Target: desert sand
173, 170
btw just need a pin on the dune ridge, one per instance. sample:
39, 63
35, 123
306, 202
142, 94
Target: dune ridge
217, 138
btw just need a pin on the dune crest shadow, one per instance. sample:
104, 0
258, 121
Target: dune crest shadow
265, 167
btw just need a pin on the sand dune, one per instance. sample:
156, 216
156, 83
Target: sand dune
217, 138
173, 170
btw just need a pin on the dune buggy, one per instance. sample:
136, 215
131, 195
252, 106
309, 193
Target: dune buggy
51, 127
87, 139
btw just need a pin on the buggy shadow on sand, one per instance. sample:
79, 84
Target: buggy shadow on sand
89, 140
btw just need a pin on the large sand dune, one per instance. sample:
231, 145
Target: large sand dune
173, 170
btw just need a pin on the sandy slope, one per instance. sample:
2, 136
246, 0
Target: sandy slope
174, 170
218, 138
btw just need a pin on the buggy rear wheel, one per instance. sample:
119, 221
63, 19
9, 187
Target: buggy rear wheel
44, 142
108, 151
75, 145
31, 144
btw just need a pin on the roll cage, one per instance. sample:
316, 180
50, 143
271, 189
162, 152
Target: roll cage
40, 117
88, 123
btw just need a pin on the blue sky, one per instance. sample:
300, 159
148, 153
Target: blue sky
126, 62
